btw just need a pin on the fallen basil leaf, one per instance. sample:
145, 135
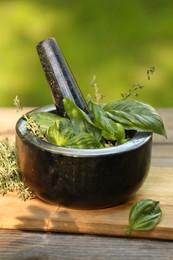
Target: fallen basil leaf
145, 214
135, 115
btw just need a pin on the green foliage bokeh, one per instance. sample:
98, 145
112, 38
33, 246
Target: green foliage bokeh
115, 40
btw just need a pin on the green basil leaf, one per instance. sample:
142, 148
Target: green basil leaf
135, 115
80, 120
44, 119
110, 129
60, 132
147, 222
145, 214
83, 141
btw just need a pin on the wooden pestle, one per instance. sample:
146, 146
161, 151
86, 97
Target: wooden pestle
59, 76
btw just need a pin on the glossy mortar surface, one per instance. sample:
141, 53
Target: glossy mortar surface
82, 178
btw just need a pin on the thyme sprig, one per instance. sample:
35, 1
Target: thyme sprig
31, 124
133, 91
10, 180
17, 104
98, 96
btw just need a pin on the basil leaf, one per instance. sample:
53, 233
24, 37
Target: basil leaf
83, 140
80, 120
135, 115
144, 215
110, 129
44, 119
60, 132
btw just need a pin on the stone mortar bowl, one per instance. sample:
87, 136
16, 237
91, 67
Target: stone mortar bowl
82, 178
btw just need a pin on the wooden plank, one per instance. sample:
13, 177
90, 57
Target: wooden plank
162, 155
40, 216
8, 119
19, 245
167, 116
159, 162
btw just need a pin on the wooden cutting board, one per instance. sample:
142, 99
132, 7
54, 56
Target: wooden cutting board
36, 215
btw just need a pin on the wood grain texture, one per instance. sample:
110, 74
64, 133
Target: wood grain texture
19, 245
39, 216
8, 119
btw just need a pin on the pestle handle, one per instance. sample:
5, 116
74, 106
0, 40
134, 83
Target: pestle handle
59, 76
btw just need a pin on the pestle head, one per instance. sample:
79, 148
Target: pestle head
59, 76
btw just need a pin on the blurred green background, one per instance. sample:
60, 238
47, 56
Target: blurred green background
113, 39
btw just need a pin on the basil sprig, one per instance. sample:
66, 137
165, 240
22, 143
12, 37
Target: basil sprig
80, 121
104, 126
136, 115
110, 129
145, 214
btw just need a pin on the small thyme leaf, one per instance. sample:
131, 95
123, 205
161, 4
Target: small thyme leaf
145, 214
150, 71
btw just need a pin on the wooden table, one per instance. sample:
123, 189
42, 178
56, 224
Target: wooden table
16, 244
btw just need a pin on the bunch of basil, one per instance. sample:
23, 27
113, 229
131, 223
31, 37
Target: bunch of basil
104, 126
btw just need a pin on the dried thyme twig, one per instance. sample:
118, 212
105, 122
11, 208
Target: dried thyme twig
10, 180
